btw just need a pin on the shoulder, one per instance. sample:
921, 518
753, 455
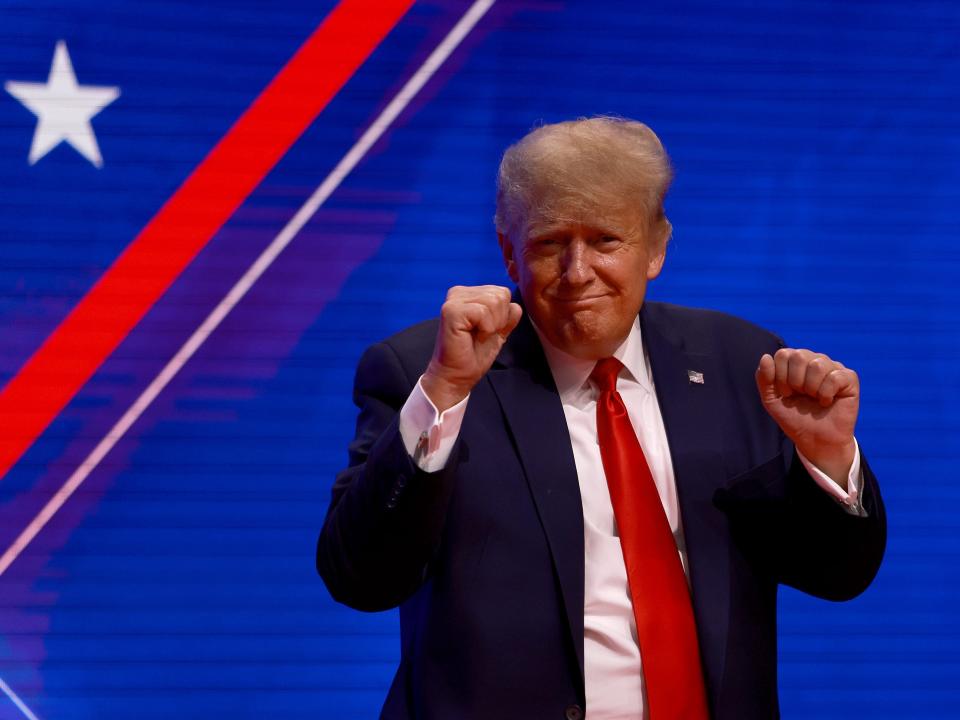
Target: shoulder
408, 349
706, 331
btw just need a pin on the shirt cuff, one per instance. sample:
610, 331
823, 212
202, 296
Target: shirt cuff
428, 434
849, 499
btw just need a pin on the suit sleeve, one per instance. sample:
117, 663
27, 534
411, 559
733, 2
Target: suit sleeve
795, 532
386, 515
801, 536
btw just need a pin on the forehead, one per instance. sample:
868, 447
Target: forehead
549, 221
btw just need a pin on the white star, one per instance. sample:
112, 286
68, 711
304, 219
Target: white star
63, 108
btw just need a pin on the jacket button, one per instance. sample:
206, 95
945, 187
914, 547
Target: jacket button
573, 712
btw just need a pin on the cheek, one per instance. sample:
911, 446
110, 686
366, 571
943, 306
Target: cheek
627, 275
537, 273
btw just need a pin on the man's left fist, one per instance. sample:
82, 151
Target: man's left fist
815, 401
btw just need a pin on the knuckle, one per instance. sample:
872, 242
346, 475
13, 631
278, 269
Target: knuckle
821, 363
491, 297
845, 377
451, 310
486, 315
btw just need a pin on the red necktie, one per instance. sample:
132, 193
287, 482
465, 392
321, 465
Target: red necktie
658, 588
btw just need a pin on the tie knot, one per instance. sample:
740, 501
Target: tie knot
605, 374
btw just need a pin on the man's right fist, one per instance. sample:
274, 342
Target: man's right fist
474, 323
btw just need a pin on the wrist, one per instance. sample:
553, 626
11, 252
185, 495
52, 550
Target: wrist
441, 391
835, 462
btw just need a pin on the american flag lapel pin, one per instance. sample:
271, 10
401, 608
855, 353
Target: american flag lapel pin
695, 378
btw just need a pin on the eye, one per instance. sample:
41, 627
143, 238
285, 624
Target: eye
546, 245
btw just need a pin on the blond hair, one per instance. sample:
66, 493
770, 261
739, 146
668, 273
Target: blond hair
600, 169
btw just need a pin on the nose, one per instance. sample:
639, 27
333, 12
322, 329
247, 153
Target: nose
577, 263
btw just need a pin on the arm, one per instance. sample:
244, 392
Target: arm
789, 523
386, 515
800, 535
824, 550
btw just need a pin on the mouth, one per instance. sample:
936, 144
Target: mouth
573, 301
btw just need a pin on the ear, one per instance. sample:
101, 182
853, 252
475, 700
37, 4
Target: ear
506, 247
658, 253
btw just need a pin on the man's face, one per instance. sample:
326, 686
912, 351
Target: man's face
582, 283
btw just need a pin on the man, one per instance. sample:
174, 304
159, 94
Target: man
584, 503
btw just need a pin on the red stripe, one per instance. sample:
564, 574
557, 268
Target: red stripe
185, 224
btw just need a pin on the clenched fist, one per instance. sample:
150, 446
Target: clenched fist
474, 323
815, 401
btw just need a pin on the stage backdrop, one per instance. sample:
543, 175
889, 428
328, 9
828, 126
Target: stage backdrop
209, 209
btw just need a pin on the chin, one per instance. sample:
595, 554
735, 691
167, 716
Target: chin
588, 338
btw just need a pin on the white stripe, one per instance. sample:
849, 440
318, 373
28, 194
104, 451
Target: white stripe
16, 700
243, 285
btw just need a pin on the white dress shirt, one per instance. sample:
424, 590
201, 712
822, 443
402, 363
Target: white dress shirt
612, 662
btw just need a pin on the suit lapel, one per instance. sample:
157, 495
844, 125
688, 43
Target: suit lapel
528, 396
524, 386
688, 410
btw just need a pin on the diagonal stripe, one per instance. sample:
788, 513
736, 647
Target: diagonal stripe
185, 224
15, 699
243, 285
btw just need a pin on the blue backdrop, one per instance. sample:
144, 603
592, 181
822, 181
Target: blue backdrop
817, 161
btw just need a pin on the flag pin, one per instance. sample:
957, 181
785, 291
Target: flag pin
695, 377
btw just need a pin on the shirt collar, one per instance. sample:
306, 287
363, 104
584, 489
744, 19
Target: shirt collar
571, 374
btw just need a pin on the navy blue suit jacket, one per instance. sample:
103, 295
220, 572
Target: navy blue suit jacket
485, 558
